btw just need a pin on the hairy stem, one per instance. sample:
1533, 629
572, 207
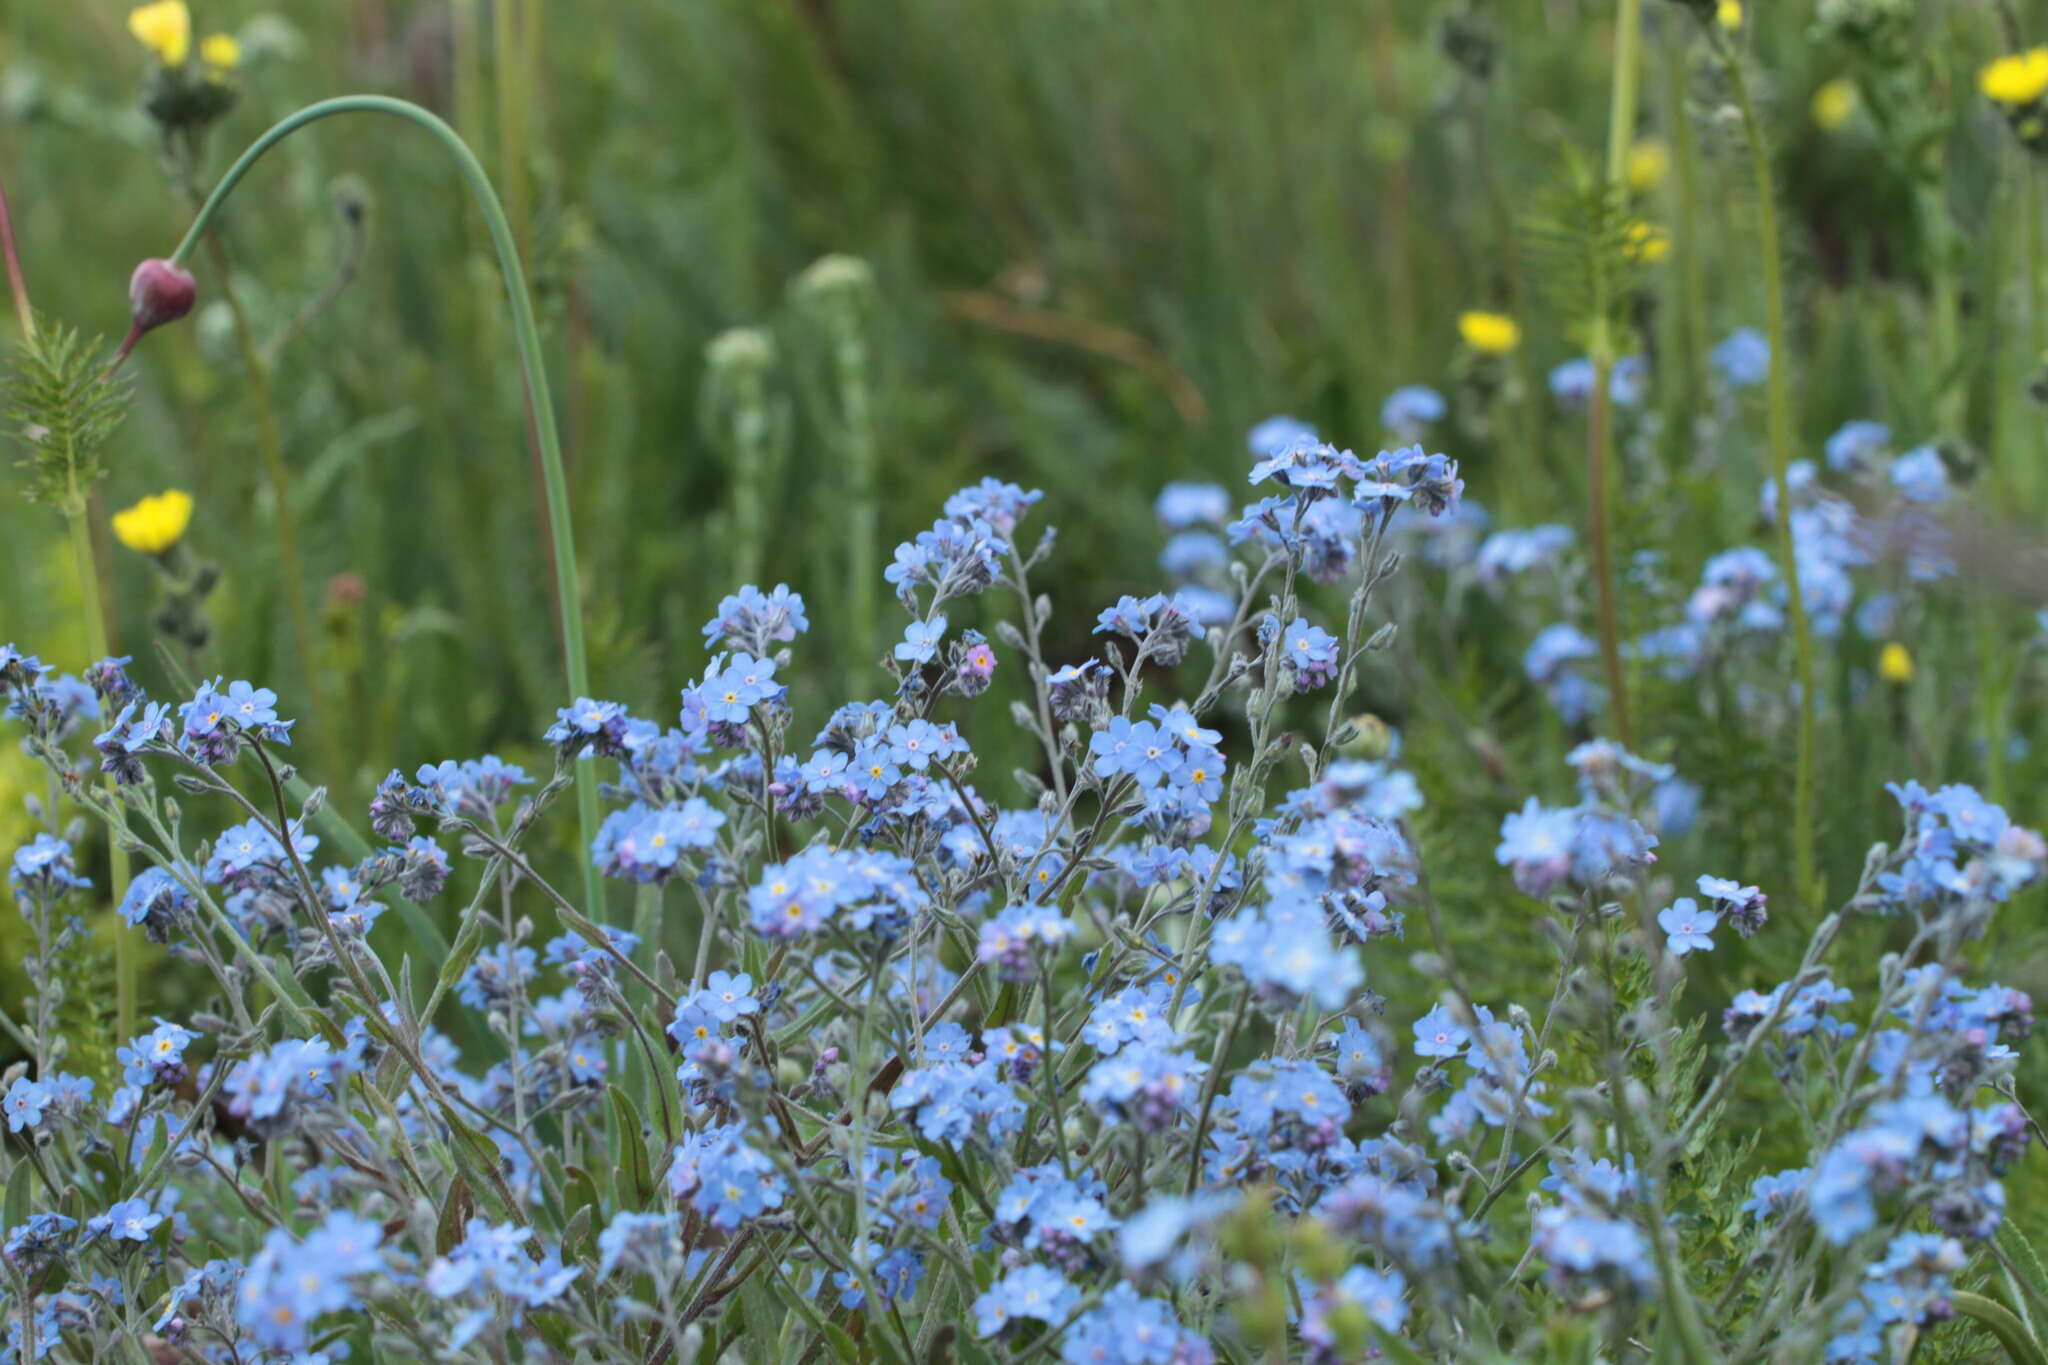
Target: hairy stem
90, 609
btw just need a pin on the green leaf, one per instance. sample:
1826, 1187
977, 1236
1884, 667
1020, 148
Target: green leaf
478, 1157
1996, 1318
554, 1330
2023, 1267
458, 959
456, 1211
18, 1194
580, 1192
577, 1239
629, 1150
1398, 1350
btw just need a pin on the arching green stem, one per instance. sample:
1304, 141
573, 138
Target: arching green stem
1778, 403
567, 589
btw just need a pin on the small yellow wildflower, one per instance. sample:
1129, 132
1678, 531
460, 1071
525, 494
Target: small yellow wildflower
2017, 78
1489, 333
165, 28
1834, 104
155, 524
221, 52
1648, 163
1895, 664
1646, 243
1728, 14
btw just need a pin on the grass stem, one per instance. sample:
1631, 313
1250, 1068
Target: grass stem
1778, 401
527, 332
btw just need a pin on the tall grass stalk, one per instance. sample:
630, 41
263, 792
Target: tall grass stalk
1778, 402
1685, 236
2036, 449
527, 332
1621, 121
508, 51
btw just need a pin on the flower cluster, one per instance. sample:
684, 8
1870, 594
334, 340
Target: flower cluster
1084, 1067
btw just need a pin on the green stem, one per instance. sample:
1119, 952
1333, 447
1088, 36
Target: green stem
861, 461
1621, 123
1778, 398
567, 589
506, 21
1598, 507
125, 971
1621, 110
1685, 237
2031, 362
1944, 309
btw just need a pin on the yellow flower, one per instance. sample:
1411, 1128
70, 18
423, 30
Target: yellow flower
1834, 104
1489, 333
1728, 14
1648, 161
1646, 243
221, 52
2016, 79
165, 28
1895, 665
155, 524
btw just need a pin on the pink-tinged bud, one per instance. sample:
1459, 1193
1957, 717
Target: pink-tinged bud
159, 292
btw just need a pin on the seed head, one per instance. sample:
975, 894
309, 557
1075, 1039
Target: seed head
159, 292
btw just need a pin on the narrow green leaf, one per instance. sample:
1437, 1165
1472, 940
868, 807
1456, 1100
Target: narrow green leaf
1398, 1350
629, 1150
456, 1211
2023, 1265
1996, 1318
18, 1194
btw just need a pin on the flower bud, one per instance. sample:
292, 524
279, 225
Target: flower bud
159, 292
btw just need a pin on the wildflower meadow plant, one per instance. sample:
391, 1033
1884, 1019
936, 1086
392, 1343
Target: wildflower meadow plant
888, 1069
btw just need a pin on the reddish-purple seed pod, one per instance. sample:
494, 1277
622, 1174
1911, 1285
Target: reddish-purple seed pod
159, 292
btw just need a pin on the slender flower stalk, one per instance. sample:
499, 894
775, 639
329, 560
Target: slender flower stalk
1778, 400
1686, 237
567, 586
1600, 425
17, 287
90, 610
510, 19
